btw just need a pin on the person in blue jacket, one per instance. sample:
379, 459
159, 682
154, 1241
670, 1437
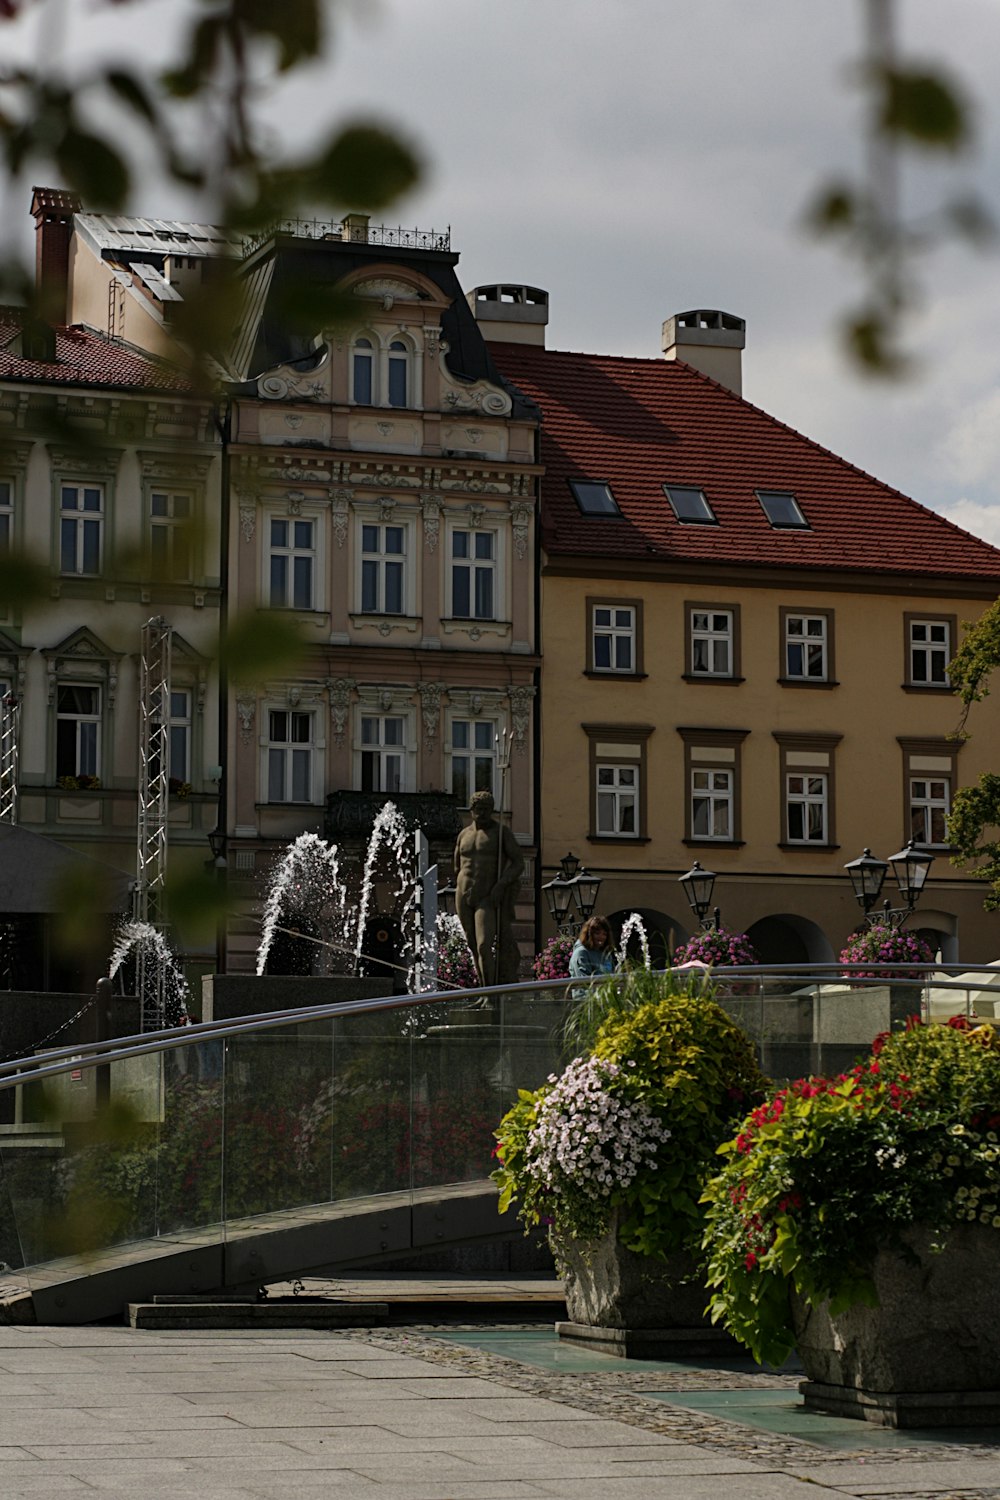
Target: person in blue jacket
592, 952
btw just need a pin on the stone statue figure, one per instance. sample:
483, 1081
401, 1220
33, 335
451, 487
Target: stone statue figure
488, 865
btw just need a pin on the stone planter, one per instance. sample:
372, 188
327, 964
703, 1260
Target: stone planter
928, 1355
632, 1305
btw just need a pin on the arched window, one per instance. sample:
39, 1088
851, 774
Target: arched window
399, 366
363, 372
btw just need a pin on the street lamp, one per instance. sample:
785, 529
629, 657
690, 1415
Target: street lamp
698, 886
573, 889
910, 867
217, 842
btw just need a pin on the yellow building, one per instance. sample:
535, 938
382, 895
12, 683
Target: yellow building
745, 642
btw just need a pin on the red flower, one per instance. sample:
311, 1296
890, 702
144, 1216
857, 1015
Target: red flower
751, 1261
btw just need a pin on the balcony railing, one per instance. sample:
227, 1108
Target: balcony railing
354, 234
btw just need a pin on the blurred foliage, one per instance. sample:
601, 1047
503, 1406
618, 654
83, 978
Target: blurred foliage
975, 810
913, 111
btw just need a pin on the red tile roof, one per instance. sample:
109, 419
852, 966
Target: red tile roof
641, 423
84, 357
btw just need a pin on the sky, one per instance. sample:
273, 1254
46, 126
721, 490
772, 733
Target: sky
650, 156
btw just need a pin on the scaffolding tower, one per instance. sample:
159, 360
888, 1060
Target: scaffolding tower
10, 723
148, 907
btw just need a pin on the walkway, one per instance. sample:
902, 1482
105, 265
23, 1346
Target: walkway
406, 1414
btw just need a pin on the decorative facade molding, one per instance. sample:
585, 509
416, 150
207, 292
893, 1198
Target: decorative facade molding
340, 508
386, 506
290, 388
476, 513
430, 710
248, 521
246, 709
520, 713
520, 519
430, 509
295, 499
92, 463
169, 468
477, 395
340, 690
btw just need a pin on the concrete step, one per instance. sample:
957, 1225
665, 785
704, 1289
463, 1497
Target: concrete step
228, 1312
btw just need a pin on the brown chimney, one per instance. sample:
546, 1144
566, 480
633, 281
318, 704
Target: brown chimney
52, 210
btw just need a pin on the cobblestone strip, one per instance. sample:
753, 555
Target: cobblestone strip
618, 1396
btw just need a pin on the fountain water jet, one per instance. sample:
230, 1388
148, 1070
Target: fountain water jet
159, 982
634, 924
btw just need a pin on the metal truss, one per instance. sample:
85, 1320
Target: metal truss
151, 822
10, 723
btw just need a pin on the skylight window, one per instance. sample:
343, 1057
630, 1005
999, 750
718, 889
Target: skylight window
594, 499
690, 505
782, 510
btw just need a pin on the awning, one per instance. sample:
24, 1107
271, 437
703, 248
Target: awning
38, 874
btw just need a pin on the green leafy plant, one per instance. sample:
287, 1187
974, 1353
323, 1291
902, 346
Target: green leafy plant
633, 1128
828, 1171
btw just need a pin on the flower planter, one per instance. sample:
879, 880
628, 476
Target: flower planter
928, 1355
633, 1305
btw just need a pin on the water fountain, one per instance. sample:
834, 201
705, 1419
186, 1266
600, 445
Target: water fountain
634, 925
157, 978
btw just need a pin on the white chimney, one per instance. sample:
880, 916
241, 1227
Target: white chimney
711, 341
511, 314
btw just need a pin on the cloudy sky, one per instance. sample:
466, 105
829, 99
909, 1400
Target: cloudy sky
641, 158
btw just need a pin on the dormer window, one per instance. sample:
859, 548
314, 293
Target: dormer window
782, 510
363, 373
689, 505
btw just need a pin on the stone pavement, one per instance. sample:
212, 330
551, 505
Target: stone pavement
398, 1414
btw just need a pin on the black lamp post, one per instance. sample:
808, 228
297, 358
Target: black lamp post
698, 886
910, 867
573, 889
217, 843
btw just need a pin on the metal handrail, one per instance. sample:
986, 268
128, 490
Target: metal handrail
113, 1049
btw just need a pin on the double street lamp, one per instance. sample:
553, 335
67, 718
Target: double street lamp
573, 889
910, 867
698, 886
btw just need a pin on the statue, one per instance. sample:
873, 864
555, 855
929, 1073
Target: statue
488, 865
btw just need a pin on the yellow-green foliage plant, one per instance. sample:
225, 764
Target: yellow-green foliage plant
632, 1128
829, 1171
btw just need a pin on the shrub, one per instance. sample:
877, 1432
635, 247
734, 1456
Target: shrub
632, 1128
553, 961
717, 947
829, 1171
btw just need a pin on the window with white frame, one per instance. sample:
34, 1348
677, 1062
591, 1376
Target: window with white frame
712, 792
617, 800
6, 515
473, 758
807, 807
711, 635
398, 382
929, 652
291, 562
383, 569
806, 647
473, 575
613, 638
383, 752
930, 801
78, 729
290, 752
363, 372
170, 534
179, 729
81, 524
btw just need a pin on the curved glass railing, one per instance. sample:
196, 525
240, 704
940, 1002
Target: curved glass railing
134, 1150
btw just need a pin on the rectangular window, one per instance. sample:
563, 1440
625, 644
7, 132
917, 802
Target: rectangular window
289, 756
930, 800
711, 803
618, 801
80, 529
6, 515
593, 498
690, 505
711, 642
291, 561
782, 510
929, 652
383, 557
180, 736
170, 535
614, 638
806, 807
473, 756
473, 566
806, 648
78, 730
382, 753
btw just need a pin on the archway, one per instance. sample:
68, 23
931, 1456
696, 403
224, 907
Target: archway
938, 930
663, 934
788, 939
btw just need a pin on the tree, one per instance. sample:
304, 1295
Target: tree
975, 810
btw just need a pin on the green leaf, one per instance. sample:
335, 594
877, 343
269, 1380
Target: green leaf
296, 26
363, 167
925, 108
132, 90
95, 169
262, 644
